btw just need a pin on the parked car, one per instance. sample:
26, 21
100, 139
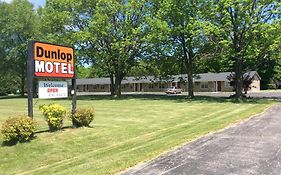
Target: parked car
173, 90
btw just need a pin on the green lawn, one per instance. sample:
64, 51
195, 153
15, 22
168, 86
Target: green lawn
124, 132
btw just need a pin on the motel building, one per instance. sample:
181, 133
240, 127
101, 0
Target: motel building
206, 82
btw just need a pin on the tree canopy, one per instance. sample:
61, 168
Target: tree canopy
19, 25
118, 38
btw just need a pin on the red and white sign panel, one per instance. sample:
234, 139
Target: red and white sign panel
53, 60
52, 89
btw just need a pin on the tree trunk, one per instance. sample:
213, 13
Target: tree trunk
112, 85
190, 78
188, 56
239, 79
22, 84
118, 80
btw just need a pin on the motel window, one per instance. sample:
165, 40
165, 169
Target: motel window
204, 85
102, 86
161, 85
90, 87
150, 86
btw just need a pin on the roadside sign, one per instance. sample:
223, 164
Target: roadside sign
52, 89
53, 60
50, 61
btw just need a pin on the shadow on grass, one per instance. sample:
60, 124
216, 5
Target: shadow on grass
47, 130
178, 98
11, 97
10, 143
15, 142
62, 129
174, 98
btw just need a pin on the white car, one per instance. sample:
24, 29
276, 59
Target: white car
173, 90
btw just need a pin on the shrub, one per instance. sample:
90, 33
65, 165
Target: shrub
271, 86
83, 117
3, 94
18, 129
54, 114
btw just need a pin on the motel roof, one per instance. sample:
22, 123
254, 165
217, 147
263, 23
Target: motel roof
204, 77
222, 76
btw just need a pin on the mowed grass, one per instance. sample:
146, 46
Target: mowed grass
124, 133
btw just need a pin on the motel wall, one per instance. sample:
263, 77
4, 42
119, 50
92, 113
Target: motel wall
208, 86
159, 87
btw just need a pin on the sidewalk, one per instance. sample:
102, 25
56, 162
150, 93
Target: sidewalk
252, 147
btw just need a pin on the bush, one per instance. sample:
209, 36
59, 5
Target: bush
3, 94
18, 129
271, 86
83, 117
54, 114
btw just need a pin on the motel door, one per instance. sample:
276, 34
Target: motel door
219, 85
136, 87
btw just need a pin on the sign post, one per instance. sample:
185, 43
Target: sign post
50, 61
73, 93
30, 78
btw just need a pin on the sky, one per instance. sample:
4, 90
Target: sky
36, 3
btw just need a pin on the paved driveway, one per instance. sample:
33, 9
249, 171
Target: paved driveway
252, 147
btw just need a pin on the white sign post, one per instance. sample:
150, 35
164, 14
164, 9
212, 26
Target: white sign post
52, 89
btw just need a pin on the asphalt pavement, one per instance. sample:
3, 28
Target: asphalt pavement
252, 147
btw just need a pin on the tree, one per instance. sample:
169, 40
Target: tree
183, 22
247, 80
83, 72
239, 23
18, 26
8, 83
108, 33
265, 53
116, 34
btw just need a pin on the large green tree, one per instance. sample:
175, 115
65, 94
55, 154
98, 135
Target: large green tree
107, 33
116, 34
265, 53
18, 26
239, 24
183, 24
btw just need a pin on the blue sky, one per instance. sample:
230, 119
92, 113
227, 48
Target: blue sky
35, 2
38, 2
